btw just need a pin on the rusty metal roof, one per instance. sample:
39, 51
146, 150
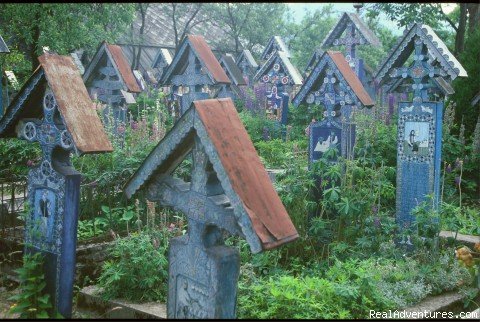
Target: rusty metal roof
351, 77
333, 59
206, 55
232, 69
124, 68
74, 104
246, 172
245, 182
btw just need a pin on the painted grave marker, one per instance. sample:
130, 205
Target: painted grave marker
281, 77
332, 84
53, 108
420, 121
194, 74
230, 191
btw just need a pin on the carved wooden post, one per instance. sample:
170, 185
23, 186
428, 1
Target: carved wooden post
53, 109
230, 191
419, 121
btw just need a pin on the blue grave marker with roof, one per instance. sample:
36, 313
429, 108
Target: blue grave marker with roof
419, 140
334, 85
281, 78
53, 108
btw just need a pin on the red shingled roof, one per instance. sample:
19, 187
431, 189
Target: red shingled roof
74, 104
351, 77
124, 68
247, 175
206, 55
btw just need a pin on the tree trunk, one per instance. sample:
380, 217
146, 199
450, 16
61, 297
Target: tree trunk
143, 13
474, 17
460, 37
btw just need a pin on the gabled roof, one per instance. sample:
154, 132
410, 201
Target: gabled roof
232, 70
336, 61
275, 43
257, 208
164, 56
247, 55
317, 53
120, 63
337, 31
405, 46
286, 64
3, 46
476, 99
204, 54
75, 106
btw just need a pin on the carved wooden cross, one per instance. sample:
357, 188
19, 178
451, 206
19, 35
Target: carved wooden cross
420, 71
351, 40
330, 97
50, 132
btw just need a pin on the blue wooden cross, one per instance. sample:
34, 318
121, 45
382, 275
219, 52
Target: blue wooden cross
350, 40
330, 98
420, 71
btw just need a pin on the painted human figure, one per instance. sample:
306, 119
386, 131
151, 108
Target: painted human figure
412, 142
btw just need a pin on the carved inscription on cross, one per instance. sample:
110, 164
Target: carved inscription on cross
331, 97
420, 72
351, 39
50, 132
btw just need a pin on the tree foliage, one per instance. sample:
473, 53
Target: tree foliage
62, 27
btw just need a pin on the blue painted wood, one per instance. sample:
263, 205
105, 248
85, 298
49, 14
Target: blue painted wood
53, 193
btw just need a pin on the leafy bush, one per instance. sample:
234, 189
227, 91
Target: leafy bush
32, 302
139, 269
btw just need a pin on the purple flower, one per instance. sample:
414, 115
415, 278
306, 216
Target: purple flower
374, 209
30, 163
458, 181
134, 125
376, 222
120, 129
449, 168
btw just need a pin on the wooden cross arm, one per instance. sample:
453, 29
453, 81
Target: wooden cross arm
176, 193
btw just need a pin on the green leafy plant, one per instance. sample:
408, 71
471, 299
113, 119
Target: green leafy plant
32, 302
139, 268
